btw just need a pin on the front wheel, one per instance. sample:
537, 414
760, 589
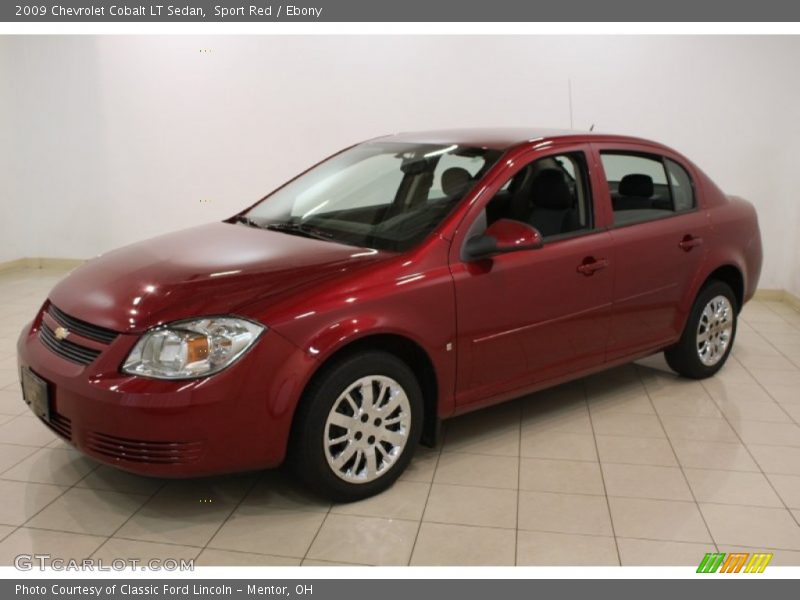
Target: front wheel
708, 337
357, 427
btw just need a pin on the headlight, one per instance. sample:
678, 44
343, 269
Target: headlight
190, 349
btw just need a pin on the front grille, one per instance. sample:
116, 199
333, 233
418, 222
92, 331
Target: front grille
143, 452
66, 349
60, 425
82, 328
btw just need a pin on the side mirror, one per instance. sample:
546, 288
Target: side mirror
502, 236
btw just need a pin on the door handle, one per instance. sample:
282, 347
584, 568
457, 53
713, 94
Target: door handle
591, 264
689, 241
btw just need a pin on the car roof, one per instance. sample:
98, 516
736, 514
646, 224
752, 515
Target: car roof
502, 138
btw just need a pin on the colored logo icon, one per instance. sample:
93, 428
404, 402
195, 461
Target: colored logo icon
734, 562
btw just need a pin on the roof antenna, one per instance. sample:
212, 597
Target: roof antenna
592, 127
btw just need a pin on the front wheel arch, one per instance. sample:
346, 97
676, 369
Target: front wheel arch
408, 351
309, 449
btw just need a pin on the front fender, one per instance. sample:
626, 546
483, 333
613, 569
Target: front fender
336, 337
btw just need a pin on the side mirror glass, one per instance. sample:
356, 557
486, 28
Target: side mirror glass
503, 236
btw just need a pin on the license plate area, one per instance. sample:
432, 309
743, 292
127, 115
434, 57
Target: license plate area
35, 393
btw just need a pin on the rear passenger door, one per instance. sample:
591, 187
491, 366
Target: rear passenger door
658, 232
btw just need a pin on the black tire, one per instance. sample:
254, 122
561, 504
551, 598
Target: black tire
307, 453
683, 357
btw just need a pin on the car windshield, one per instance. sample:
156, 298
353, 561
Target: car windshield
387, 196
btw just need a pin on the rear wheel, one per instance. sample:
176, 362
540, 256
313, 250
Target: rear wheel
357, 427
708, 337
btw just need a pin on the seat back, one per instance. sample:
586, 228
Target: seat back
548, 202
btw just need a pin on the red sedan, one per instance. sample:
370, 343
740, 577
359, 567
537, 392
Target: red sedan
400, 282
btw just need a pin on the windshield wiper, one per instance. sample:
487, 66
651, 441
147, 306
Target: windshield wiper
300, 229
247, 221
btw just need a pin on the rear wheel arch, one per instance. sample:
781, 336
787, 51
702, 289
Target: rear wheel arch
732, 276
709, 333
728, 273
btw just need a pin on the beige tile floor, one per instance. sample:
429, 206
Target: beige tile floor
632, 466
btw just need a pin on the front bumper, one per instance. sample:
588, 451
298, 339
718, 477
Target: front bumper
238, 419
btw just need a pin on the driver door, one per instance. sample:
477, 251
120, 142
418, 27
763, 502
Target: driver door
529, 317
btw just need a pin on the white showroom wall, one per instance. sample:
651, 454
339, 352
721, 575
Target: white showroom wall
107, 140
13, 211
794, 272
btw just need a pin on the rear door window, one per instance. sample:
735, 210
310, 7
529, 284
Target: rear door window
646, 187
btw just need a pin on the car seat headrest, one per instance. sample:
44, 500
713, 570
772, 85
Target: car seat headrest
455, 181
637, 185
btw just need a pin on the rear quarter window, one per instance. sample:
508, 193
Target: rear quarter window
682, 186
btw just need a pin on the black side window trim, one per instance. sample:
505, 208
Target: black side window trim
671, 215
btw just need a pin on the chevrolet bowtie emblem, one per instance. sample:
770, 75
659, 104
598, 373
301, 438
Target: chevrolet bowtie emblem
61, 333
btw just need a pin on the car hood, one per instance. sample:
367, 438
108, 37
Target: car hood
208, 270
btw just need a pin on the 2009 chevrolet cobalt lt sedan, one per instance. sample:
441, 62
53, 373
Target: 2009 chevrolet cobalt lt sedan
402, 281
